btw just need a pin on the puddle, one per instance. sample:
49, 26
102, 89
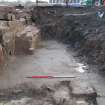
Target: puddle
81, 68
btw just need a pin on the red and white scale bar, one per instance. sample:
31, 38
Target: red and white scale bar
49, 77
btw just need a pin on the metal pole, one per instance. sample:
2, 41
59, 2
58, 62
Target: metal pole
49, 77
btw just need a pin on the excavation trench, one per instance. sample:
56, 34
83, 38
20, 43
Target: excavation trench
55, 57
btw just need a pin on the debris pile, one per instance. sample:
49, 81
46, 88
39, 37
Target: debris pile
57, 94
17, 38
27, 40
9, 35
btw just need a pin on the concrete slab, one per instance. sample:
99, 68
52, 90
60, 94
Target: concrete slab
82, 88
100, 100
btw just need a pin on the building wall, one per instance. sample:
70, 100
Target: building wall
4, 10
56, 1
11, 16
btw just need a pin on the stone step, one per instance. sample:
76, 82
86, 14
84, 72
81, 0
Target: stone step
82, 88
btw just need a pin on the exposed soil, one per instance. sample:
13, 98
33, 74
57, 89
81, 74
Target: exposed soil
52, 59
80, 28
84, 32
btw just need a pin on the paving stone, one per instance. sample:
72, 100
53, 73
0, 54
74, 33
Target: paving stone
82, 88
100, 100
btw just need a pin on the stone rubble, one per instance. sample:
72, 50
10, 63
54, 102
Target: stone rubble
62, 95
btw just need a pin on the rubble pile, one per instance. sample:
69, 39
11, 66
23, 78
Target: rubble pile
27, 40
58, 94
3, 29
17, 38
9, 35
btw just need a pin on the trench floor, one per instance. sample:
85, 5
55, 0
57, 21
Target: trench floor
51, 59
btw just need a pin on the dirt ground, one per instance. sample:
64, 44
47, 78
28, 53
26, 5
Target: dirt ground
80, 31
54, 59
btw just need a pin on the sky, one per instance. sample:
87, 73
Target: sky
23, 0
17, 0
